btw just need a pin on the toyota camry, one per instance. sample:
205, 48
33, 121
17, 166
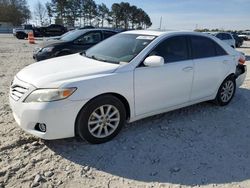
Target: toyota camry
127, 77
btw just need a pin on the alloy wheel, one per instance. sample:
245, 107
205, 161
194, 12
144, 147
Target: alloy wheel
227, 91
103, 121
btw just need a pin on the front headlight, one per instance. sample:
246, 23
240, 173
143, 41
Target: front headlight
48, 95
47, 49
37, 49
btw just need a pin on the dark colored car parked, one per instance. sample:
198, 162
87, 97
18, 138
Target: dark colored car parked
73, 42
51, 30
238, 40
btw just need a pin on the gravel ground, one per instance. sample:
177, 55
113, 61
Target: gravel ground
199, 146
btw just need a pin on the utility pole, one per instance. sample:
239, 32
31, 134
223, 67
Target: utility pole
160, 22
196, 26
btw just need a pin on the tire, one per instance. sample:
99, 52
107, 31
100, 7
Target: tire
226, 91
20, 35
91, 121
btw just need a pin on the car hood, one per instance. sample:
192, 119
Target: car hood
52, 42
53, 38
56, 71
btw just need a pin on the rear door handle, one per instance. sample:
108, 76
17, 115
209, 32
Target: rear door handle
187, 69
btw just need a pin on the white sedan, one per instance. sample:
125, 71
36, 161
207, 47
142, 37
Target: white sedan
127, 77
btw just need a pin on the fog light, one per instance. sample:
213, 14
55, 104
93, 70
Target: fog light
41, 127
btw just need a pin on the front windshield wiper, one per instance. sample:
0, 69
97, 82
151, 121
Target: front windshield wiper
83, 53
100, 59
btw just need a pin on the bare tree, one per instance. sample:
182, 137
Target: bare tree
40, 13
103, 13
49, 11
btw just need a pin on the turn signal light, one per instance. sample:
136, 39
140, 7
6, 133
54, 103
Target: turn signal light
242, 61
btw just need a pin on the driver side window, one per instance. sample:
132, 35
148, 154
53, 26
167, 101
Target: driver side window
172, 49
89, 38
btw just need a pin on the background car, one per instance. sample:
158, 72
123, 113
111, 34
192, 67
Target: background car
73, 42
225, 37
22, 32
130, 76
245, 35
51, 30
238, 40
69, 31
59, 37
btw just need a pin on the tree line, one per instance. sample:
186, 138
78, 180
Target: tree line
87, 12
219, 30
14, 11
72, 12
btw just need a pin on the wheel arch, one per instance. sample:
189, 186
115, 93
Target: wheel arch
218, 100
21, 33
118, 96
230, 74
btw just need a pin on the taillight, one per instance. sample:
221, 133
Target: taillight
242, 61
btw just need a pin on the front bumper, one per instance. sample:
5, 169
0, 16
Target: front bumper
39, 56
59, 117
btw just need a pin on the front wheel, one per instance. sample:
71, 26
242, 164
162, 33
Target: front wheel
226, 91
101, 119
20, 36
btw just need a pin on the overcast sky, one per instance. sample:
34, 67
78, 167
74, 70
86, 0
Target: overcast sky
189, 14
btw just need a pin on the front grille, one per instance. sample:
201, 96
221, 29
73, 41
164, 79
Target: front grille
17, 91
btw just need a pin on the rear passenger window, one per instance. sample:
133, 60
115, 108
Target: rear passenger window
219, 50
224, 36
202, 47
220, 36
228, 37
173, 49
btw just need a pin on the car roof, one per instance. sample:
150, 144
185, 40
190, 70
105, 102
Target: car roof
95, 29
163, 33
145, 32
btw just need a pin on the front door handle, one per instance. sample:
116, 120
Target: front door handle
187, 69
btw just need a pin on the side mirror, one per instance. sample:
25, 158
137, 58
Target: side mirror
154, 61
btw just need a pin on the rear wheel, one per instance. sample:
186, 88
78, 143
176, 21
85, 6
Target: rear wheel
101, 119
226, 91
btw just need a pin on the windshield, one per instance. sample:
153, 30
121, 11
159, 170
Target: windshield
66, 33
119, 48
72, 35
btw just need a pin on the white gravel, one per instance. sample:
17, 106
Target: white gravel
200, 146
